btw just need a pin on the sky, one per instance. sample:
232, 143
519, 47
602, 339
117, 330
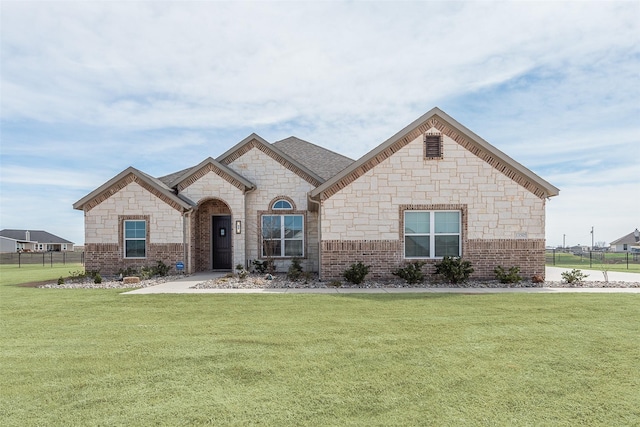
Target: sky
88, 89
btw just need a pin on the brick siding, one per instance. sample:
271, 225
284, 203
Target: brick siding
386, 255
107, 257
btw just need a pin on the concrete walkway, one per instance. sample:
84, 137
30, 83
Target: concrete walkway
183, 286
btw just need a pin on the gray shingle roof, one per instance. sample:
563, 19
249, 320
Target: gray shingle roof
324, 163
629, 239
39, 236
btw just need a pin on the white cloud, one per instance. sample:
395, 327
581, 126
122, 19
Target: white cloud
89, 88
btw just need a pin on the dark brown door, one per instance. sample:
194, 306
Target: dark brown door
221, 245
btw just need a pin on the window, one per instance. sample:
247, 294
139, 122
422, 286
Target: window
283, 235
433, 146
431, 234
135, 239
281, 205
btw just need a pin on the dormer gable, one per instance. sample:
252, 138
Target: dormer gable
257, 142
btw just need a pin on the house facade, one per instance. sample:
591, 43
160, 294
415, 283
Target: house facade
433, 189
628, 243
32, 241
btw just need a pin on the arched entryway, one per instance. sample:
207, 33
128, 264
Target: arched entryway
213, 244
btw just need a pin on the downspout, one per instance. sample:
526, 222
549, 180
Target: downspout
186, 227
311, 200
246, 236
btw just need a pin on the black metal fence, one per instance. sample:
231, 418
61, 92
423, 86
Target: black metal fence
42, 258
593, 259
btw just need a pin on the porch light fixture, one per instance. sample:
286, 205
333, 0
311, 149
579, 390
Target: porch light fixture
238, 227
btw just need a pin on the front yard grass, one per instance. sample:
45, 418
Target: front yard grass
95, 357
13, 274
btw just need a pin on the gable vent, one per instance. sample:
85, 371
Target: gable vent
433, 146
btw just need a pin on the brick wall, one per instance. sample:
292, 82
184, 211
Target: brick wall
108, 259
385, 255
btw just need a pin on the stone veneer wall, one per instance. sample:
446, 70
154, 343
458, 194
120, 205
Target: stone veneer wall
201, 232
502, 222
214, 196
104, 233
275, 181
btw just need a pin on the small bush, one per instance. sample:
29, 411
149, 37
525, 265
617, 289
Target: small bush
97, 278
454, 269
60, 281
573, 276
78, 274
146, 272
241, 272
356, 273
263, 267
161, 269
295, 270
411, 273
511, 276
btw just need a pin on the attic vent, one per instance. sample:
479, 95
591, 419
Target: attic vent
432, 146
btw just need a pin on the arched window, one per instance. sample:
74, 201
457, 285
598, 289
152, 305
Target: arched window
281, 205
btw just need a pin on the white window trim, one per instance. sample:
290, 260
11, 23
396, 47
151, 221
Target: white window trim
432, 232
125, 238
282, 238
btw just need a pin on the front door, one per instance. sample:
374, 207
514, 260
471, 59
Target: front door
221, 244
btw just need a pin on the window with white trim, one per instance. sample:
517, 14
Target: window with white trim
432, 234
135, 239
283, 235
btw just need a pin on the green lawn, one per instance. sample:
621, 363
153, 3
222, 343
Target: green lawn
95, 357
12, 274
606, 261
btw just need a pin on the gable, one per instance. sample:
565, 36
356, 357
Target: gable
254, 141
122, 180
210, 165
447, 126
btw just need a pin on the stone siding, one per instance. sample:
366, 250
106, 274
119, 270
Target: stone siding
215, 196
104, 233
503, 222
274, 181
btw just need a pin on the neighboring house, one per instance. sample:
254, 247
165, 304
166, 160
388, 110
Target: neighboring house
33, 241
628, 243
433, 189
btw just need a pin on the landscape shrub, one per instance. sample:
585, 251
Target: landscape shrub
356, 273
411, 273
97, 278
263, 267
510, 276
241, 272
295, 270
60, 281
573, 276
161, 269
454, 269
